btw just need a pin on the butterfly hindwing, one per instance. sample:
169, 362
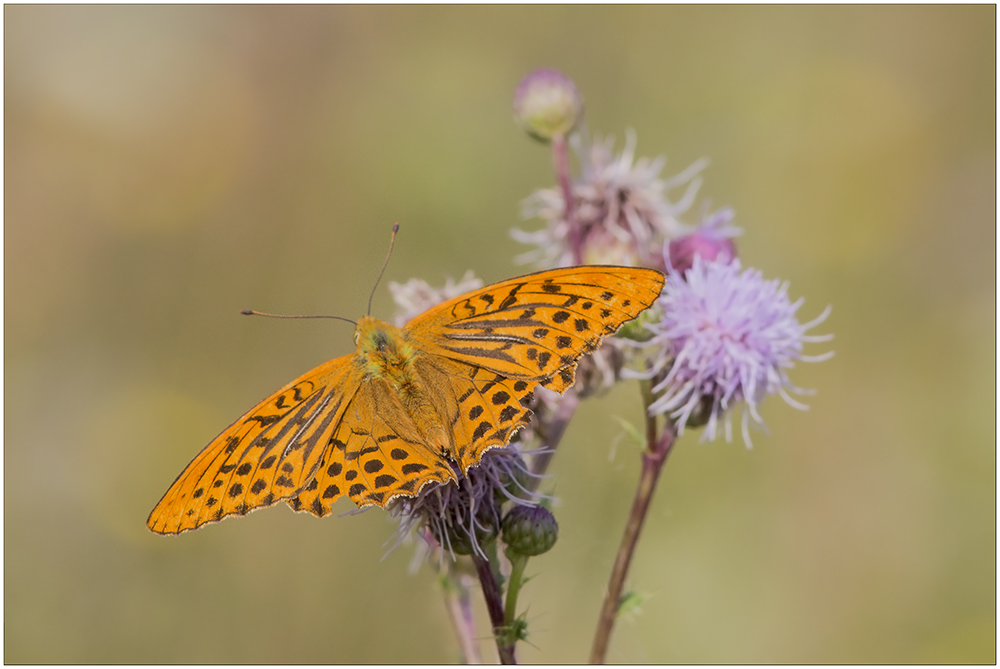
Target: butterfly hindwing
482, 408
533, 326
265, 456
376, 453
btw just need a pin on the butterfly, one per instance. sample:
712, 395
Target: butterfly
412, 405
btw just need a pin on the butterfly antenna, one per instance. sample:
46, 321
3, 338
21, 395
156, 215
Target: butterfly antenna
251, 312
395, 229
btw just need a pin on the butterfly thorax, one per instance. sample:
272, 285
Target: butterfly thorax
383, 353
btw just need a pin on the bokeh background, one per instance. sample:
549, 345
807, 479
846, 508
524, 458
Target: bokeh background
167, 166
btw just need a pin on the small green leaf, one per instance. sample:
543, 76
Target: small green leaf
632, 431
630, 604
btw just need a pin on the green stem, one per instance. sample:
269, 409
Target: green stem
517, 565
653, 459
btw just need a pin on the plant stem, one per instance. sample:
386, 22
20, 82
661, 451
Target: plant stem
517, 565
653, 460
494, 605
459, 605
560, 159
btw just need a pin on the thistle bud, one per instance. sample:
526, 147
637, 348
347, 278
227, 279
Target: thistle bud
547, 104
706, 244
711, 241
530, 530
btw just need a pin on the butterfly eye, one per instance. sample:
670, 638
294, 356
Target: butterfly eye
356, 337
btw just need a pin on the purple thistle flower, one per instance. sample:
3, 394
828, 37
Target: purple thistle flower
621, 207
459, 516
728, 337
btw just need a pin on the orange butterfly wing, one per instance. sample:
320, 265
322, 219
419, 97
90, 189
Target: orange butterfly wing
483, 408
378, 452
342, 428
507, 338
267, 455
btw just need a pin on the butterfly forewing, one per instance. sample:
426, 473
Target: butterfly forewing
265, 456
533, 326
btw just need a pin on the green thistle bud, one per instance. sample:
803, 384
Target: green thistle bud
530, 530
547, 104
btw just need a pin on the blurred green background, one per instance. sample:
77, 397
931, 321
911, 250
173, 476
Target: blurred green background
167, 166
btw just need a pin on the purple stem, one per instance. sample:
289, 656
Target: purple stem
653, 460
494, 606
560, 158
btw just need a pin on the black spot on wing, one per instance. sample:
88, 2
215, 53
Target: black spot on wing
508, 413
384, 480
